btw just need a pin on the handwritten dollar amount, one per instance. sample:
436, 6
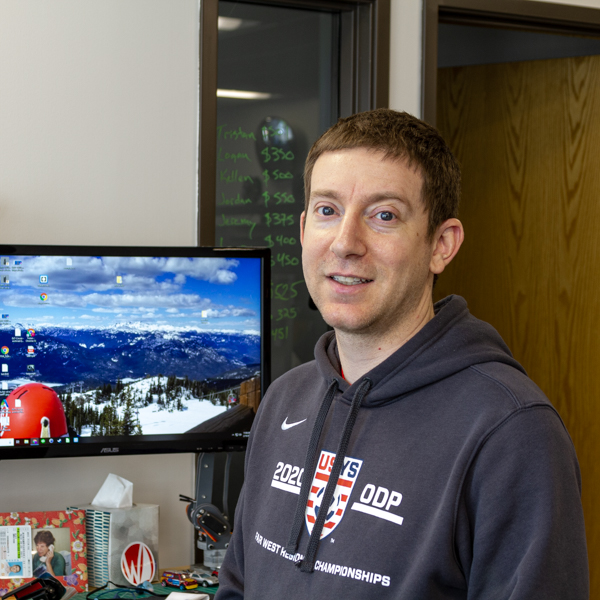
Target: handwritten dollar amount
284, 260
281, 240
279, 219
284, 291
279, 197
275, 154
280, 333
272, 131
276, 174
284, 313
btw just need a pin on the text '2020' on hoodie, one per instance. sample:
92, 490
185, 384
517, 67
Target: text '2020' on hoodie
455, 479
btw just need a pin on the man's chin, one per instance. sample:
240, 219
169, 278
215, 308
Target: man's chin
348, 324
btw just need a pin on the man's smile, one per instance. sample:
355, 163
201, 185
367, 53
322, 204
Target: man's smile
349, 280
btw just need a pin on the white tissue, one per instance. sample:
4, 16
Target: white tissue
115, 492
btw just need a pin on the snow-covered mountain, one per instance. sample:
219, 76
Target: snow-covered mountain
95, 356
153, 405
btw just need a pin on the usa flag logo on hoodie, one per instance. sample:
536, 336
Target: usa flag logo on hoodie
341, 495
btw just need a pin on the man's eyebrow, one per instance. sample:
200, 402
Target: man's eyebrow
323, 194
383, 195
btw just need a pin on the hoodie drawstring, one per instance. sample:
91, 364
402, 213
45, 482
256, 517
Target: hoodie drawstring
308, 564
309, 463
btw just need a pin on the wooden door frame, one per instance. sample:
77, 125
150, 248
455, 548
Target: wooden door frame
525, 15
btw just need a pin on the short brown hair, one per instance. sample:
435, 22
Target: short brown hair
44, 537
398, 135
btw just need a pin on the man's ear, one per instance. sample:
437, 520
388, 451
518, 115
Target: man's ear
302, 223
446, 243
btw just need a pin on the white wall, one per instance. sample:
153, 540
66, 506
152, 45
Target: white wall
98, 145
98, 121
405, 55
55, 483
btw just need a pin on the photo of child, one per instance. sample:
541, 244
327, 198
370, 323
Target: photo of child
10, 568
15, 567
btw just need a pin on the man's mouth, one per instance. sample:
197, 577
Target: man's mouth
349, 280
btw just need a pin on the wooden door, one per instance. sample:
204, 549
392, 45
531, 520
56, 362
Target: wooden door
528, 138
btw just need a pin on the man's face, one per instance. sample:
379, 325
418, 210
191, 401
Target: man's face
365, 251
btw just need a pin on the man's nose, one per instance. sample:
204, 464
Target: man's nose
349, 238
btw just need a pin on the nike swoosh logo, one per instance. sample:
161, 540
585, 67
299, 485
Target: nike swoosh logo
285, 425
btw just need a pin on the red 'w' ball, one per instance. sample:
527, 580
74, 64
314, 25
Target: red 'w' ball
137, 563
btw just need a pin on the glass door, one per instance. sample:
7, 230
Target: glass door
277, 92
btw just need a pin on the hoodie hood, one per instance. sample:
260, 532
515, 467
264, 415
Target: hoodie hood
451, 342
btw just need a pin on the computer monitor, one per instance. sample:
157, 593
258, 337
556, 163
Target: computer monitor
130, 350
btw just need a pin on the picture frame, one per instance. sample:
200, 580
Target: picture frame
65, 531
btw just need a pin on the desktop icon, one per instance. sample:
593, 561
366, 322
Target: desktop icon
69, 261
30, 350
5, 279
30, 333
4, 350
18, 263
5, 315
17, 332
44, 297
5, 368
31, 368
43, 278
5, 261
5, 385
204, 314
119, 280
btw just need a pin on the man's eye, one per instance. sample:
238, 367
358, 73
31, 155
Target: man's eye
326, 211
386, 215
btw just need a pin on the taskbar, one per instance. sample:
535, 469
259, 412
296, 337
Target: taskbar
23, 442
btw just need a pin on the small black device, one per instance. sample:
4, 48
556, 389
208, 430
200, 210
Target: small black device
40, 588
212, 523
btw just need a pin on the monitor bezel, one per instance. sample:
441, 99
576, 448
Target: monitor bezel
154, 444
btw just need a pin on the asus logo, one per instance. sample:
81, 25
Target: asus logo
109, 450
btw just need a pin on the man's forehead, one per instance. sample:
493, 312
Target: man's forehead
396, 163
401, 161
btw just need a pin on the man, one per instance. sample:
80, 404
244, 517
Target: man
413, 459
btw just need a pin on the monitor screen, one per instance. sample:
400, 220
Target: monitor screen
128, 350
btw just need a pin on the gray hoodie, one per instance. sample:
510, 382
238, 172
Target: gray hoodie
452, 477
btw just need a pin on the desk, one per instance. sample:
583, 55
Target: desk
159, 591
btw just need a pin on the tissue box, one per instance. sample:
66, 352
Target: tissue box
109, 531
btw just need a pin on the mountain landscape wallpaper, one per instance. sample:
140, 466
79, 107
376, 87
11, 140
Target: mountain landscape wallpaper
131, 345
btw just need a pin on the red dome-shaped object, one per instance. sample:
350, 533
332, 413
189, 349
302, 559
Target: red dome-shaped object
34, 410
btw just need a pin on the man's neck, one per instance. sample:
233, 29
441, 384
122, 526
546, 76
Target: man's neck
361, 352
